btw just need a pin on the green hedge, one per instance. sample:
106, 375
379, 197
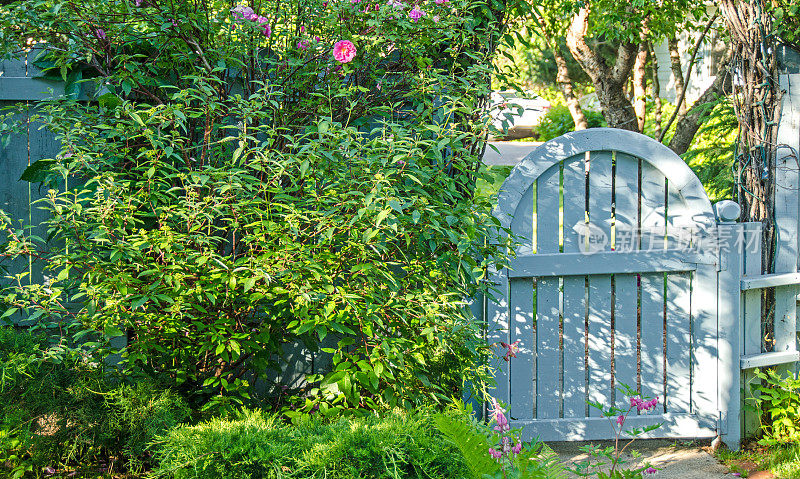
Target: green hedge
257, 445
66, 414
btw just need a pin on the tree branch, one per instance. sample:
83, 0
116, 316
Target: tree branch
688, 76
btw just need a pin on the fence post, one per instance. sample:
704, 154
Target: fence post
751, 317
787, 215
729, 335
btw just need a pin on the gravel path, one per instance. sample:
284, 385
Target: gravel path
674, 459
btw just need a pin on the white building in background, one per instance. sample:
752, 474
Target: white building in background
711, 53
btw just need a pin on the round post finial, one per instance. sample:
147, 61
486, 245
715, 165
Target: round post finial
727, 211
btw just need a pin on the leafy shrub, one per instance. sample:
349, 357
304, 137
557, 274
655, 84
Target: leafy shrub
558, 121
777, 400
59, 410
256, 445
244, 190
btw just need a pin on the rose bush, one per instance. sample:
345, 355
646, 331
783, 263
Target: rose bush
248, 179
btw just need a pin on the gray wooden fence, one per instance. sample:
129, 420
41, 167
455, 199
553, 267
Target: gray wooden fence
625, 274
24, 145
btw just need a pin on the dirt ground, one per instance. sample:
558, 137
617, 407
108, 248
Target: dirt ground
674, 459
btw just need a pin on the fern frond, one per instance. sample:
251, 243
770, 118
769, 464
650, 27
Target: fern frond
471, 443
540, 462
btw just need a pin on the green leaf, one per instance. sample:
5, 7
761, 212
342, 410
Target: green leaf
38, 171
139, 302
112, 331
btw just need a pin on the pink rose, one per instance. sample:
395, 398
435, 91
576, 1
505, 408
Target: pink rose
344, 51
242, 12
263, 21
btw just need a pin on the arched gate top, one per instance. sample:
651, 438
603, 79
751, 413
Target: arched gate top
681, 178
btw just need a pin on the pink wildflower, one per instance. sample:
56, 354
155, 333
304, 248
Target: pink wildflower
303, 44
302, 29
344, 51
101, 34
415, 14
505, 444
511, 349
440, 2
435, 19
517, 448
650, 470
317, 39
495, 453
620, 420
499, 417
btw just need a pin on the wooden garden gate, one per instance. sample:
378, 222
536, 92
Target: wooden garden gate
622, 275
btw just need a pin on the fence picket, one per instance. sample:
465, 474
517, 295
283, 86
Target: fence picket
547, 298
653, 229
626, 288
600, 192
522, 369
574, 305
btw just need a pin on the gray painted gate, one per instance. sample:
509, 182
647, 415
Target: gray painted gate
622, 275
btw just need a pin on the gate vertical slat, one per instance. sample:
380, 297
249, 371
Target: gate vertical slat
751, 329
574, 354
677, 319
625, 285
522, 368
653, 224
547, 298
680, 228
600, 192
705, 345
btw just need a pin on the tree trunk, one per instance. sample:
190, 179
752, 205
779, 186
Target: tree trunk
677, 73
609, 82
699, 112
757, 97
565, 83
656, 92
640, 85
